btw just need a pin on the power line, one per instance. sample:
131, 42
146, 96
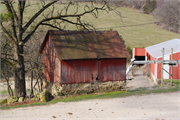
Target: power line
126, 26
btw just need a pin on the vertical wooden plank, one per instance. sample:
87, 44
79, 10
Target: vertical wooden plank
171, 66
113, 72
162, 68
69, 75
104, 73
80, 71
72, 72
75, 73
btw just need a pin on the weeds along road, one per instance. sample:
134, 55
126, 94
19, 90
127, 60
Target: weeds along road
163, 106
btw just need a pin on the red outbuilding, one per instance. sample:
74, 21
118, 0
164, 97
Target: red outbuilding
154, 52
138, 53
83, 56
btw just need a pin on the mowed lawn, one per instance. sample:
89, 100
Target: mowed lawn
136, 28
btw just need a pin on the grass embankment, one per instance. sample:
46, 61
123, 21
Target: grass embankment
174, 81
115, 94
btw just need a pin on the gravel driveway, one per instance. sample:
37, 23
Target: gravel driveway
164, 106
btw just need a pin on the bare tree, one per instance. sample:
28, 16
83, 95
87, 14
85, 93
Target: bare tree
6, 63
19, 30
167, 15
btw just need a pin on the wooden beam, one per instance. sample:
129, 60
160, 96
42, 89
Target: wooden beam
171, 66
162, 68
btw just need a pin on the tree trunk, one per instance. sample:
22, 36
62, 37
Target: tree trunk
20, 83
32, 81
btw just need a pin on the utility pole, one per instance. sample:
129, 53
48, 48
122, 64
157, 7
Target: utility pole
171, 66
162, 67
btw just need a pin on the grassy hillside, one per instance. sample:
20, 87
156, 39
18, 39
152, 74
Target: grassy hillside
137, 29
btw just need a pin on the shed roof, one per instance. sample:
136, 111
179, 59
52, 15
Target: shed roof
156, 50
87, 44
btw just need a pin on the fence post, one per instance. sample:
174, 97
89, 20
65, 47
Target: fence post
162, 67
171, 66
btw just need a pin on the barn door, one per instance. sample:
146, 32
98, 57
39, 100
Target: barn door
84, 71
95, 70
112, 69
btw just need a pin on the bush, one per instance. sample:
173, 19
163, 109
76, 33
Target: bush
149, 6
6, 16
129, 50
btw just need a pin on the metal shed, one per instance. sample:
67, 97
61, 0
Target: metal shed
83, 56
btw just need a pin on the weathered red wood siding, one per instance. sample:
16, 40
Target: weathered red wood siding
112, 69
82, 56
83, 71
51, 63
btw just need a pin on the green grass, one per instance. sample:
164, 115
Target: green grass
135, 36
115, 94
6, 91
132, 25
177, 82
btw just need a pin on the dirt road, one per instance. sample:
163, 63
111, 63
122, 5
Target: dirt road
164, 106
139, 80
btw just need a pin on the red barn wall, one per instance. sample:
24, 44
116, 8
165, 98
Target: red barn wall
80, 71
176, 69
83, 71
152, 66
139, 52
112, 69
51, 63
159, 67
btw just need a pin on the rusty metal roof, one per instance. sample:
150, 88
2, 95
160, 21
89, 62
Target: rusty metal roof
87, 44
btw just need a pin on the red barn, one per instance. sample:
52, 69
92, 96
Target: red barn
83, 56
138, 53
155, 53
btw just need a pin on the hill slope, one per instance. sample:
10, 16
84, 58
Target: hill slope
137, 29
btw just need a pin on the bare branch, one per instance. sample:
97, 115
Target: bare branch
11, 64
8, 6
14, 13
36, 15
62, 17
7, 33
51, 26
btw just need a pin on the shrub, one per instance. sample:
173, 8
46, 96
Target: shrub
149, 6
